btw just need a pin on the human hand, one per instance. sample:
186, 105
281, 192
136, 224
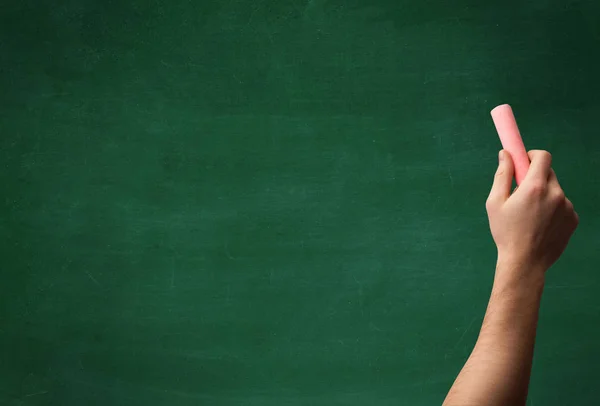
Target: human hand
532, 225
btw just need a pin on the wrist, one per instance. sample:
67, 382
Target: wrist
518, 274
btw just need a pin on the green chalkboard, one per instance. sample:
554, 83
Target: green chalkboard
280, 202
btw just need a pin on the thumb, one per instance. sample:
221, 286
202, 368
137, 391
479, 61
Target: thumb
502, 186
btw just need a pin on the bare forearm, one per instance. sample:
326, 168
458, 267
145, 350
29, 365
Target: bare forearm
497, 372
531, 227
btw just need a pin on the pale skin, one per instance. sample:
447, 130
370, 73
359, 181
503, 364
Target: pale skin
531, 227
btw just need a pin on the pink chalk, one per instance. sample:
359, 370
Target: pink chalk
511, 140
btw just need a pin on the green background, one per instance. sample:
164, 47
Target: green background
279, 202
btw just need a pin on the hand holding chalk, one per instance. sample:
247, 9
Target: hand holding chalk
532, 225
511, 140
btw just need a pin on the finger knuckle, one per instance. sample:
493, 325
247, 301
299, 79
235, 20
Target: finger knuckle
490, 204
537, 188
541, 156
546, 155
559, 197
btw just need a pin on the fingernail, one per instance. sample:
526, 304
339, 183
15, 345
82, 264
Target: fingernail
501, 156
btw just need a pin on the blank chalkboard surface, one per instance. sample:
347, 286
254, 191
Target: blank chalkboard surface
280, 202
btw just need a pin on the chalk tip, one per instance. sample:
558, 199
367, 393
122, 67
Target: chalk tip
500, 109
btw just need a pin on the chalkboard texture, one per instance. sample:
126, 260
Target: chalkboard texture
280, 202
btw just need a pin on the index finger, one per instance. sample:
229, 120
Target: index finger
541, 165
